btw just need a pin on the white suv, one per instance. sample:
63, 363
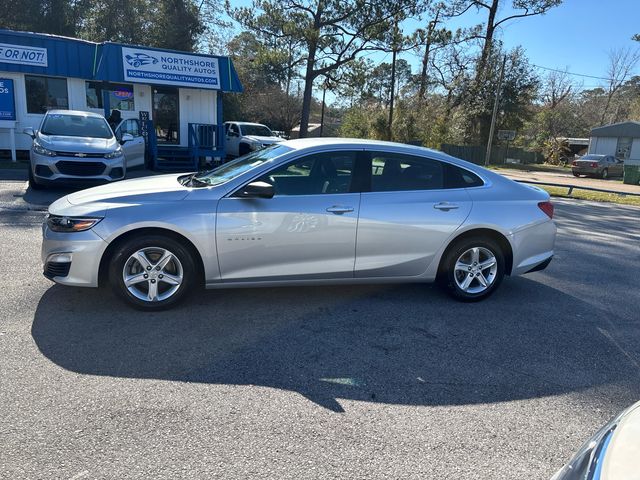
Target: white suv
245, 137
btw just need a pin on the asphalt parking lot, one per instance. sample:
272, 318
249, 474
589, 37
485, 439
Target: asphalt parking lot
330, 382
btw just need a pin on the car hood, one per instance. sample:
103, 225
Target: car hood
261, 139
77, 144
94, 201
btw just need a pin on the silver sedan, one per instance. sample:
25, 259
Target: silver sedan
303, 212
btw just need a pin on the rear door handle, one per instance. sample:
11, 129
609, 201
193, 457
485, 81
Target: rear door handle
446, 206
339, 210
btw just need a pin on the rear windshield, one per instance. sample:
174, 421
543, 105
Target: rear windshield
592, 157
76, 126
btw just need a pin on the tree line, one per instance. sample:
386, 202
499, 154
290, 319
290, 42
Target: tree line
289, 53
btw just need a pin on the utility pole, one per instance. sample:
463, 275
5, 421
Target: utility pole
324, 93
495, 113
394, 49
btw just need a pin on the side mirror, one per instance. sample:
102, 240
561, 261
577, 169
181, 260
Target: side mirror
256, 190
126, 137
29, 131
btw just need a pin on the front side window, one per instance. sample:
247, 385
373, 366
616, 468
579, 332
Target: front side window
45, 93
120, 95
257, 130
314, 175
75, 126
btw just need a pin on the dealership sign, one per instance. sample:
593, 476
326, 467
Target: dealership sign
7, 101
23, 55
153, 66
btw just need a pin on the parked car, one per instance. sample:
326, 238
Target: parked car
245, 137
302, 212
613, 453
602, 166
73, 147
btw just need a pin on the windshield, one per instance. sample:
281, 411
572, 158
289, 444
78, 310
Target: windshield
240, 165
76, 126
259, 130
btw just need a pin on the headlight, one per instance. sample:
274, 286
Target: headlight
70, 224
40, 150
117, 153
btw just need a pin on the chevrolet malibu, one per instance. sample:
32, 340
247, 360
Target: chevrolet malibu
302, 212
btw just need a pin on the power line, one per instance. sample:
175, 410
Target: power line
570, 73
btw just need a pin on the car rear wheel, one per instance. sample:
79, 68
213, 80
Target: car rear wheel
472, 269
576, 174
605, 174
152, 272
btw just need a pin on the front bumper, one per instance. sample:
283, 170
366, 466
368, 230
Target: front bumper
84, 249
72, 170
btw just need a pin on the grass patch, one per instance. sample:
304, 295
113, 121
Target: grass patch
593, 196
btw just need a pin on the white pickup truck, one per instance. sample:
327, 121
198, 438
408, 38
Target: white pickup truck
245, 137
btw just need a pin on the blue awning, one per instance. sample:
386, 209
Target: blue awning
43, 54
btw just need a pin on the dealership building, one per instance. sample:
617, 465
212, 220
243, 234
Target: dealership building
173, 99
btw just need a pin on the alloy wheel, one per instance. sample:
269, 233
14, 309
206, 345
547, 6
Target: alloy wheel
475, 270
152, 274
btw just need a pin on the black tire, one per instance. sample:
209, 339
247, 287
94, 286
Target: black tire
576, 174
153, 243
33, 185
447, 279
605, 174
243, 149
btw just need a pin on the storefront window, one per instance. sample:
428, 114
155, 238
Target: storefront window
120, 95
45, 93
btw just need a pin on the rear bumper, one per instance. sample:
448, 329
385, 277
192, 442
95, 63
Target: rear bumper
585, 171
533, 247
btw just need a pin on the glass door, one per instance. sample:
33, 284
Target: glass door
166, 118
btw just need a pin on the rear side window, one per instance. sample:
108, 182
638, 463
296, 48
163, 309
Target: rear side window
397, 172
456, 177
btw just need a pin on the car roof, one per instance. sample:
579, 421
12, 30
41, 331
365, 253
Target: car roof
74, 112
301, 143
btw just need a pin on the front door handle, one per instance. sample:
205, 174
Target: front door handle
339, 210
446, 206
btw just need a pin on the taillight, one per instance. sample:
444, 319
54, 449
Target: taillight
574, 163
546, 207
594, 165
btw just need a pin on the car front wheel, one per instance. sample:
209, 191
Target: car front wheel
152, 272
472, 269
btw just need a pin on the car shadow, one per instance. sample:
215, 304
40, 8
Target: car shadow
407, 344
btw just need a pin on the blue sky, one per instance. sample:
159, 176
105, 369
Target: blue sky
576, 36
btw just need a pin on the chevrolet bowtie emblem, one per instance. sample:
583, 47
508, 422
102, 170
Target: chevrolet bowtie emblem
81, 155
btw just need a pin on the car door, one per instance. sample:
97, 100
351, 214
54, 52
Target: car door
307, 230
232, 145
133, 149
408, 214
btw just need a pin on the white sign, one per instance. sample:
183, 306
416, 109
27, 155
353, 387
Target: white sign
152, 66
23, 55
